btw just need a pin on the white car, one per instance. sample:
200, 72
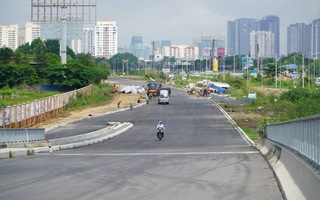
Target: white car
317, 81
163, 97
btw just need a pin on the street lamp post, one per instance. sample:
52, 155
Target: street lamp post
276, 73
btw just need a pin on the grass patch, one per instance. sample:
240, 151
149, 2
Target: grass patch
100, 95
15, 96
253, 135
10, 154
30, 152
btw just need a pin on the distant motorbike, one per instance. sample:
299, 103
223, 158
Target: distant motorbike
160, 134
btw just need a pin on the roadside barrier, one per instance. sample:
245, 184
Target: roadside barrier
26, 114
301, 135
21, 135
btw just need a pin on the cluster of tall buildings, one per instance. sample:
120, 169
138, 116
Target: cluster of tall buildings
258, 37
304, 38
202, 48
84, 34
100, 41
13, 36
261, 37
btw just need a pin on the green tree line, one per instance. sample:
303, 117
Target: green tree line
40, 63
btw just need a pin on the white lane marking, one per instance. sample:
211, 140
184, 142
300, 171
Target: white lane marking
157, 153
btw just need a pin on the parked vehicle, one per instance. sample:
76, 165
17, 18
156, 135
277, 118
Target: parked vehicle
317, 82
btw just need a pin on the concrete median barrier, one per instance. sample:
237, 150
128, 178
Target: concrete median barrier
70, 142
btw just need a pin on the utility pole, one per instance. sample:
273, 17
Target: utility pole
276, 73
63, 45
302, 70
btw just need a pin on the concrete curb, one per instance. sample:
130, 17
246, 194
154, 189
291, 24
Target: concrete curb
100, 115
106, 134
242, 133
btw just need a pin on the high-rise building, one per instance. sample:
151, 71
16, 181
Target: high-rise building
231, 38
13, 36
88, 40
28, 33
316, 38
244, 27
76, 46
164, 43
9, 36
262, 44
239, 33
183, 52
106, 39
272, 23
299, 38
137, 48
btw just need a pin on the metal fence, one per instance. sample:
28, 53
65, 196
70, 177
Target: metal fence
302, 135
21, 135
29, 113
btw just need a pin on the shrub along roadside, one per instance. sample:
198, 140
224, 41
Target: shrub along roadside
99, 96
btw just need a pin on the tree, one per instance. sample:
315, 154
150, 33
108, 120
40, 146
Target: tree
86, 59
53, 46
22, 54
269, 70
116, 61
5, 55
102, 71
15, 75
73, 74
53, 59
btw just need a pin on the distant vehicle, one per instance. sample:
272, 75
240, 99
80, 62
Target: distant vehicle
163, 97
161, 88
317, 82
152, 88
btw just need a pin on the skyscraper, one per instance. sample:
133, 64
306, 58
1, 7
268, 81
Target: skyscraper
316, 38
88, 40
28, 33
244, 27
231, 38
137, 48
299, 38
9, 36
262, 44
272, 23
106, 39
239, 33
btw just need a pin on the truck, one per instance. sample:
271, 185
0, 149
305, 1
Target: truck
152, 87
163, 97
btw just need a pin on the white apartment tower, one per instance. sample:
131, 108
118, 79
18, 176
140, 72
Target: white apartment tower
13, 36
88, 41
262, 44
32, 32
9, 36
106, 39
181, 52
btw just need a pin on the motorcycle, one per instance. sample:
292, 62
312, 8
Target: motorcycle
160, 134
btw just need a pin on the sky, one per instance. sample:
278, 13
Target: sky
180, 21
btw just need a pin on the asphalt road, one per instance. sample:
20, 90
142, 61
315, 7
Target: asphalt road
202, 156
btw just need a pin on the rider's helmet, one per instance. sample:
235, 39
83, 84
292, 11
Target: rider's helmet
160, 122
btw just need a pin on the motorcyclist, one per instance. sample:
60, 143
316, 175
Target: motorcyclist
160, 126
